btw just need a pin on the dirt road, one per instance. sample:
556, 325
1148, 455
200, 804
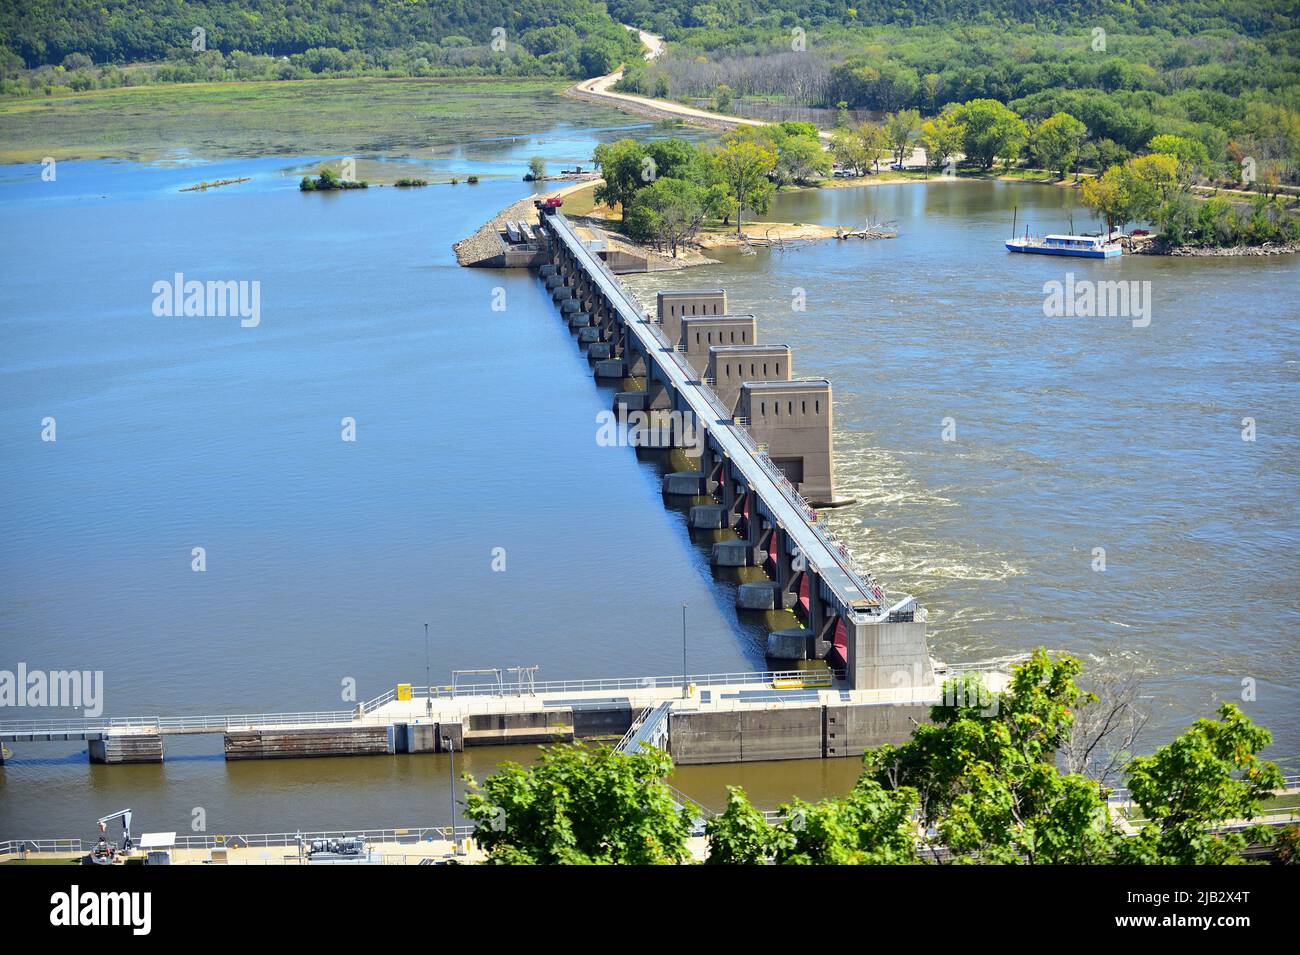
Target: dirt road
600, 90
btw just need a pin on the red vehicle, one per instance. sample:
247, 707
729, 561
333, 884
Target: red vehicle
548, 205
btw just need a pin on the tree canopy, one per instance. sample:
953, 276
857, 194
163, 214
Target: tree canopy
578, 806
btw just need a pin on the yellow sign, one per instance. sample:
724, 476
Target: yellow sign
802, 683
403, 691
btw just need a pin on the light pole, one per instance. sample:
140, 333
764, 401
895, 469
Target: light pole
428, 687
450, 747
684, 682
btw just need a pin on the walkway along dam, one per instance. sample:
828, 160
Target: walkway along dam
761, 441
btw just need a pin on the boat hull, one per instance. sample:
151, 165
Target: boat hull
1105, 253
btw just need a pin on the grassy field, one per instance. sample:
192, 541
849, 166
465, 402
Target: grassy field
310, 117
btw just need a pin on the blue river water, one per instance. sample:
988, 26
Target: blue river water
475, 431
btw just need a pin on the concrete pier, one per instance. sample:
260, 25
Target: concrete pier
294, 742
730, 366
700, 333
757, 596
114, 748
791, 644
708, 517
674, 305
793, 418
739, 553
684, 483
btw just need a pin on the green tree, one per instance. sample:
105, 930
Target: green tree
1148, 182
1206, 777
874, 142
985, 775
740, 835
1107, 196
1192, 157
991, 130
869, 826
671, 211
941, 138
597, 57
801, 159
579, 805
537, 167
623, 166
745, 166
901, 129
1056, 142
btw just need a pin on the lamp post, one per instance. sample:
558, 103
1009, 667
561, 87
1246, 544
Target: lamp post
450, 747
428, 687
684, 681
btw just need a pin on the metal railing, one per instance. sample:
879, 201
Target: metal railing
222, 723
173, 725
262, 840
632, 728
1290, 783
632, 683
396, 835
21, 847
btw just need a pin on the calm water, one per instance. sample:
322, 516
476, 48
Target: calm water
475, 431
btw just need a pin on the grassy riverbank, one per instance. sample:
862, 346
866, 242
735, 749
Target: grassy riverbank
310, 117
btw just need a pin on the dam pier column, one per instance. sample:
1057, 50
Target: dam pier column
886, 655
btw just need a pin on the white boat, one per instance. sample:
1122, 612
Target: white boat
1087, 246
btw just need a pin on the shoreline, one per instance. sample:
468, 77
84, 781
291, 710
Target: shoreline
767, 234
1216, 252
757, 234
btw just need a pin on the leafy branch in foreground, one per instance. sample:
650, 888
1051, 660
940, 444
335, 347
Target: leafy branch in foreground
980, 785
581, 805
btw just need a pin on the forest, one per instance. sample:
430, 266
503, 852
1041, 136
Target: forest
287, 39
674, 17
1226, 75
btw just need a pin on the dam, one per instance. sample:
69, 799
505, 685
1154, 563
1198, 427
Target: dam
760, 440
764, 456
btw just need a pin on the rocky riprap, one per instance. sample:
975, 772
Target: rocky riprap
486, 242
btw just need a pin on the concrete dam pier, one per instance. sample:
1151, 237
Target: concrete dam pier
764, 441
